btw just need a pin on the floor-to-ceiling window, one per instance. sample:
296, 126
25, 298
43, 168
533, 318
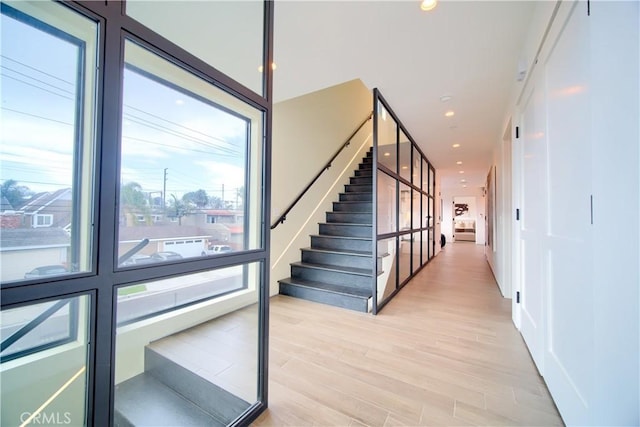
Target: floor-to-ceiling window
404, 200
134, 220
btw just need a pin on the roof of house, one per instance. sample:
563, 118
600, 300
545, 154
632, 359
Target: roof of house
42, 200
164, 232
5, 205
33, 237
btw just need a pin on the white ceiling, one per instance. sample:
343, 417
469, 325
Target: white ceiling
466, 49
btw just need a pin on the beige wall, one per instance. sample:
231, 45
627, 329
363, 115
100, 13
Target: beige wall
306, 132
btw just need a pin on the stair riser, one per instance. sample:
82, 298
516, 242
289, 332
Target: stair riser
352, 207
348, 230
320, 242
351, 303
365, 167
350, 217
342, 260
366, 180
358, 188
364, 172
204, 394
356, 197
331, 277
367, 160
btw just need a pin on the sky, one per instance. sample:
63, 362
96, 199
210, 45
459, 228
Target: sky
200, 146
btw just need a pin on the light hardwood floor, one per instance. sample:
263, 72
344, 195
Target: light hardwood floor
443, 352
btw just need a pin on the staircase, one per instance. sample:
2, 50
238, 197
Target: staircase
167, 394
338, 267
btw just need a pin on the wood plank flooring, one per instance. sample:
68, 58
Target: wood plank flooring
443, 352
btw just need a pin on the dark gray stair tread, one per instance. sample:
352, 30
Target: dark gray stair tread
339, 269
357, 224
351, 212
327, 287
339, 252
145, 401
327, 236
212, 398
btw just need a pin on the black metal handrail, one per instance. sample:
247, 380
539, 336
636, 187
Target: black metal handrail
30, 326
283, 217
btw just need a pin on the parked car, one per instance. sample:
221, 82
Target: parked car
46, 270
138, 259
166, 256
217, 249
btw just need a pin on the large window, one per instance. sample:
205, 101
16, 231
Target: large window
133, 227
47, 141
188, 177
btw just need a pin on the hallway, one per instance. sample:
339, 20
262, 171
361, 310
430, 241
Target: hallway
443, 352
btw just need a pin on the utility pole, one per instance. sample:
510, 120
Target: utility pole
164, 190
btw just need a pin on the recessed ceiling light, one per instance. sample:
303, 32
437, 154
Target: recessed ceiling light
464, 186
405, 167
463, 180
460, 171
428, 5
387, 154
449, 114
273, 67
456, 145
458, 162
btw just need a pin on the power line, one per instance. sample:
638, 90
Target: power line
36, 69
36, 116
37, 80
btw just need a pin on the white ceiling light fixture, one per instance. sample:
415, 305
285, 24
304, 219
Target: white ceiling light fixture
458, 162
428, 5
456, 145
449, 113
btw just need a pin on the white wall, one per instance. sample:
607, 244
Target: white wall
307, 131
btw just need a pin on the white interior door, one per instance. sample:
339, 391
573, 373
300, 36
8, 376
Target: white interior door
568, 257
531, 232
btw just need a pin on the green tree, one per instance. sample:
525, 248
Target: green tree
133, 200
14, 193
198, 198
216, 202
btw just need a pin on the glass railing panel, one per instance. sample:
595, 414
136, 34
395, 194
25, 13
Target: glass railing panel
47, 143
415, 252
404, 257
387, 207
425, 211
387, 269
405, 160
205, 353
43, 369
432, 182
425, 246
387, 139
225, 34
416, 169
190, 181
404, 211
415, 209
425, 176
